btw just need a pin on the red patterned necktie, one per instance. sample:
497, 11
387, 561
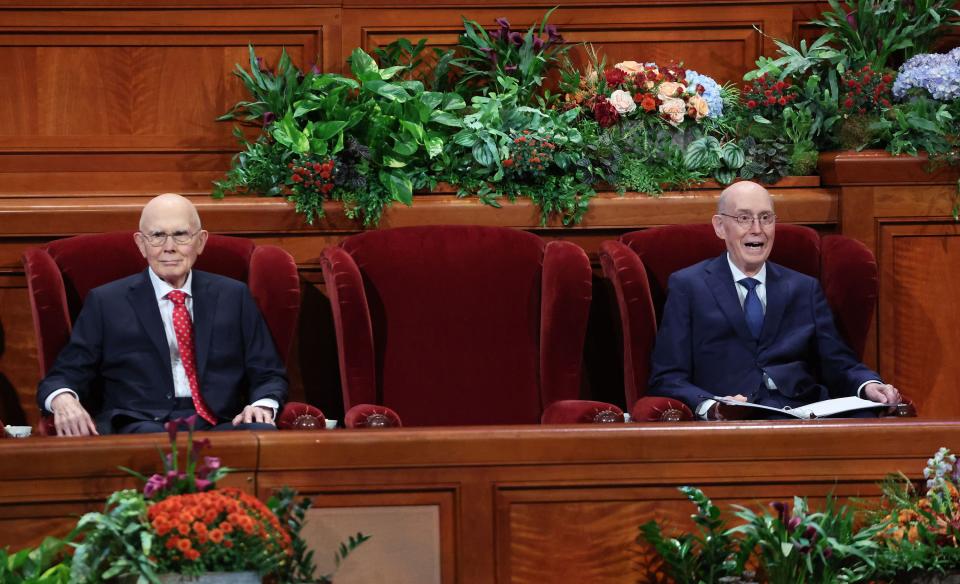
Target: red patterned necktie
183, 327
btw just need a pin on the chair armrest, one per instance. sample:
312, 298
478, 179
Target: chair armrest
351, 319
638, 320
660, 409
371, 416
301, 416
578, 411
566, 291
275, 285
48, 303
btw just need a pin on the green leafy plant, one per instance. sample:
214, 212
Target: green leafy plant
767, 161
799, 546
708, 155
704, 556
486, 58
42, 565
884, 33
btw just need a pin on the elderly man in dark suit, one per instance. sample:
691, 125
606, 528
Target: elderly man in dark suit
166, 343
743, 327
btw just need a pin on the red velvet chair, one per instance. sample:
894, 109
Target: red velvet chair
60, 274
459, 325
640, 263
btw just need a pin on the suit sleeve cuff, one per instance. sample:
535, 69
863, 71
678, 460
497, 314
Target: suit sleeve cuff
47, 403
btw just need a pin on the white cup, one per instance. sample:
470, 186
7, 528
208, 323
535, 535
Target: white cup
331, 424
18, 431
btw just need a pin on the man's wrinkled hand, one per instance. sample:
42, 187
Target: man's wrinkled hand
69, 417
882, 393
259, 414
722, 411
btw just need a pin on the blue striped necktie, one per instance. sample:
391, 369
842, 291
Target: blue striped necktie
752, 309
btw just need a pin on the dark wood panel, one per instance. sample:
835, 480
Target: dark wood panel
918, 321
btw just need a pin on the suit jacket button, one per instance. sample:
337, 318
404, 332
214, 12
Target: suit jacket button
169, 395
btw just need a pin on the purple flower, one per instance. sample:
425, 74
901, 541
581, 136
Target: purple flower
516, 38
199, 445
211, 462
552, 35
490, 53
810, 533
537, 43
794, 523
171, 427
852, 19
315, 69
503, 22
495, 35
154, 484
780, 508
827, 552
190, 421
510, 69
168, 460
203, 484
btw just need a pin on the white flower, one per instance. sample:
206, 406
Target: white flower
673, 108
629, 67
622, 101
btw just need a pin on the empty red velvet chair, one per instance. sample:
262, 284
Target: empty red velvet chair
640, 263
60, 274
459, 325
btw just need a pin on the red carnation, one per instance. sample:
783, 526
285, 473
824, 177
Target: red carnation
604, 112
614, 77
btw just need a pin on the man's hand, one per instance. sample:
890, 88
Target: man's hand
250, 414
882, 393
722, 411
70, 418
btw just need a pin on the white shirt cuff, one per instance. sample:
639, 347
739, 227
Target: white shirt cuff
704, 408
49, 401
268, 403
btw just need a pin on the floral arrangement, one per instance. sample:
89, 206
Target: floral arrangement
412, 120
921, 524
935, 73
865, 91
768, 96
642, 89
182, 523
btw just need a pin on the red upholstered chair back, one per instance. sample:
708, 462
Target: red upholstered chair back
60, 275
464, 322
845, 267
664, 250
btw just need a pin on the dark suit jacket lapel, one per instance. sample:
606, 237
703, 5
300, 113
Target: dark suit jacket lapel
204, 308
143, 298
778, 291
720, 281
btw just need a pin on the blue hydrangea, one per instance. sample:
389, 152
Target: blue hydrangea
711, 91
938, 73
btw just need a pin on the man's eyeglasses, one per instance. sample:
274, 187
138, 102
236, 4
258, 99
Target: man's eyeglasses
179, 237
746, 219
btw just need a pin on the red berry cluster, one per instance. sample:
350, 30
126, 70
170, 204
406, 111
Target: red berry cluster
865, 91
529, 155
312, 176
767, 96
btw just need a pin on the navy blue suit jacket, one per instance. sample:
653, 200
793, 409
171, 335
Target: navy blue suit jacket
704, 348
118, 359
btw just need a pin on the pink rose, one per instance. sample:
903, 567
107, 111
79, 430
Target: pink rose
700, 105
673, 109
622, 101
629, 67
671, 89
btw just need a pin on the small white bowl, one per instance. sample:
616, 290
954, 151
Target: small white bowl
331, 424
18, 431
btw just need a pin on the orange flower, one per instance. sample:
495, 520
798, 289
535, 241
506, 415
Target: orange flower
183, 545
183, 528
191, 554
216, 536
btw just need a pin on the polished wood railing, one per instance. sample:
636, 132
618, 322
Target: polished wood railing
474, 505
